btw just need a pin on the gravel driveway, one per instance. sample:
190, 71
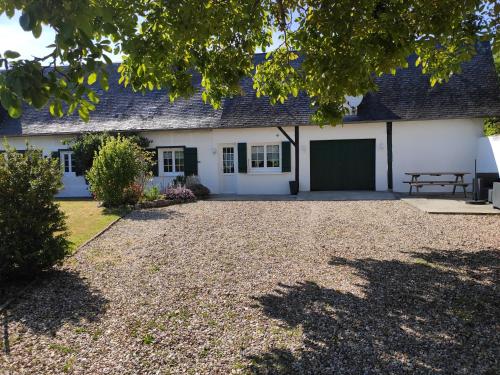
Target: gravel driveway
268, 287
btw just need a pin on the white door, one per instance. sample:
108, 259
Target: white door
228, 168
74, 186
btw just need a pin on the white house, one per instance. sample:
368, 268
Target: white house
247, 147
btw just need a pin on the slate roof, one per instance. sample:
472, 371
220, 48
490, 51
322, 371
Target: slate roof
474, 93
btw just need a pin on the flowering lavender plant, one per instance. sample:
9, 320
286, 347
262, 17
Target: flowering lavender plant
179, 193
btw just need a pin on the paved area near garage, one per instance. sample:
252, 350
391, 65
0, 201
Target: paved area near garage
451, 206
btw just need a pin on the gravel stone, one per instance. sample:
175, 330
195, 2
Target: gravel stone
281, 287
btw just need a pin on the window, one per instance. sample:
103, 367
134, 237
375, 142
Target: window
273, 156
257, 156
228, 160
173, 161
68, 161
265, 156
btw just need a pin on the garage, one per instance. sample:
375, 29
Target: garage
343, 164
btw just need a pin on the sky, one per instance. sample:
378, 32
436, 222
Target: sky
13, 37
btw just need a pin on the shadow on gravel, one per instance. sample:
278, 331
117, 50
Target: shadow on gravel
59, 297
153, 214
437, 313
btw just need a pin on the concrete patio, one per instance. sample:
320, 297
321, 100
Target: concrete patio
449, 205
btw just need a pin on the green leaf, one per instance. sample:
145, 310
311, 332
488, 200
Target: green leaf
6, 99
92, 78
107, 59
37, 30
83, 113
11, 54
38, 99
15, 112
55, 109
72, 108
93, 97
25, 22
104, 82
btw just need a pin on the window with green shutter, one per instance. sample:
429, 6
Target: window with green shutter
286, 161
242, 157
190, 161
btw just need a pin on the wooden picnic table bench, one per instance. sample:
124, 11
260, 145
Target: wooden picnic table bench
457, 182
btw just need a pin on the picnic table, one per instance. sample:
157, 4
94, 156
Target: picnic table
417, 183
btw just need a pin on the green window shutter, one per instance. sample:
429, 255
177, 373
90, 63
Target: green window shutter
242, 157
190, 161
286, 161
77, 165
154, 160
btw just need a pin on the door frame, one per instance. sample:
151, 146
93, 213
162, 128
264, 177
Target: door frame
220, 161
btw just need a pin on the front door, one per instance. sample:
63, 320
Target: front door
228, 168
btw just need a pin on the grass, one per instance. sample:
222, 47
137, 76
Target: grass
85, 219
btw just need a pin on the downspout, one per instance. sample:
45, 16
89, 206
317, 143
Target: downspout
297, 154
295, 142
389, 155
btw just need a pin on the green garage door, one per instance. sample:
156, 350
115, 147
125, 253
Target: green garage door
343, 164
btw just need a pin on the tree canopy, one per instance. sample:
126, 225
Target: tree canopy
344, 45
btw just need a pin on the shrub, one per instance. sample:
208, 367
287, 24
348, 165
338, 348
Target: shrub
492, 126
199, 190
119, 164
132, 194
32, 227
152, 194
179, 193
86, 146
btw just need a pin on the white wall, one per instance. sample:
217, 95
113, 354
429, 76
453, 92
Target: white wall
444, 145
488, 154
434, 146
208, 143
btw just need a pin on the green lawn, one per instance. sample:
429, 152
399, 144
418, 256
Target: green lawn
85, 219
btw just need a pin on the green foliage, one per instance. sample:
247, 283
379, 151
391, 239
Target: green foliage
86, 146
119, 164
344, 44
492, 126
132, 194
32, 227
151, 194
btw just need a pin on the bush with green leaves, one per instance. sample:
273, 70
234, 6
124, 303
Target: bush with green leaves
117, 167
32, 226
492, 127
85, 146
152, 194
